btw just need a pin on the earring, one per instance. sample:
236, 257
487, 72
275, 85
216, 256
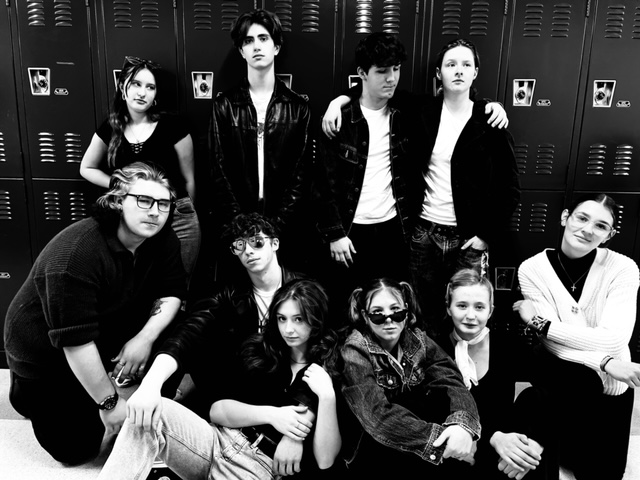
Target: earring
155, 103
123, 97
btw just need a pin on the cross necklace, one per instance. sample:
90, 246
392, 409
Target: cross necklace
573, 284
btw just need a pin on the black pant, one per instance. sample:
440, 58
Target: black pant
381, 252
64, 417
588, 430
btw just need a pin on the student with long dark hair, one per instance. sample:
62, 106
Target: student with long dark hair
580, 300
137, 130
283, 391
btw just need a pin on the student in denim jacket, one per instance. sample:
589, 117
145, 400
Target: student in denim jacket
411, 405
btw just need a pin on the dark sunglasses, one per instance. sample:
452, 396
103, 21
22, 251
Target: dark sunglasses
240, 245
379, 318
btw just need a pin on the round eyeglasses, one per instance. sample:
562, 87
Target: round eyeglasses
240, 245
599, 227
145, 202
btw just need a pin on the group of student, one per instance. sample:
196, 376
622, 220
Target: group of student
376, 362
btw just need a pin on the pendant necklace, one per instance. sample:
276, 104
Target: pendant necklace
573, 284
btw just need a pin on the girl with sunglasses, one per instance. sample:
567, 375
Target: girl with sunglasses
409, 405
137, 131
580, 299
281, 406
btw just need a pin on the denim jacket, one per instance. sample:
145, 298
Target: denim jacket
340, 169
390, 399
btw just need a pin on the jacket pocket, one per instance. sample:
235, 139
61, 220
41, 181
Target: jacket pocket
348, 153
387, 380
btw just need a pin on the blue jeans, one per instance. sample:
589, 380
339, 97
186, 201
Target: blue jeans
191, 447
187, 227
435, 255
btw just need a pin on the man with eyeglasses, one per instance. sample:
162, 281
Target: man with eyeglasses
207, 342
97, 301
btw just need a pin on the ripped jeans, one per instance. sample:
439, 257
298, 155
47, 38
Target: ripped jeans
435, 255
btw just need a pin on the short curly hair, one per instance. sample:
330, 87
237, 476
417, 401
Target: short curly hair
247, 225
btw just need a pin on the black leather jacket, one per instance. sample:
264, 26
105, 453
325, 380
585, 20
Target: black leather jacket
206, 342
234, 148
340, 169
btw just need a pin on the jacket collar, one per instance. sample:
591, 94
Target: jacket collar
409, 342
356, 110
280, 92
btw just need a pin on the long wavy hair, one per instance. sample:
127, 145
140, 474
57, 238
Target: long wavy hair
119, 116
268, 351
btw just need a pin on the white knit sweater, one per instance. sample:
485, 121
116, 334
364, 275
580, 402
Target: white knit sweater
599, 324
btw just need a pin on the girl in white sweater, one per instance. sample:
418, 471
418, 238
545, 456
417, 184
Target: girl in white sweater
581, 301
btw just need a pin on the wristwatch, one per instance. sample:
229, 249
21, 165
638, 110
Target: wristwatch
109, 403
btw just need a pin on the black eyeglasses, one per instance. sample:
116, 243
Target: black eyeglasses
240, 245
379, 318
140, 61
145, 202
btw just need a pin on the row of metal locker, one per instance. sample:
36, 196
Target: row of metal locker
566, 72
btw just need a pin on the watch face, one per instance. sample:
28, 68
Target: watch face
109, 403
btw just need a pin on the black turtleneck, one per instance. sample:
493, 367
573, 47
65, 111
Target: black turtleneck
574, 274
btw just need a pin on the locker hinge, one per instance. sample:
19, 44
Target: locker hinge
417, 6
506, 7
335, 6
588, 12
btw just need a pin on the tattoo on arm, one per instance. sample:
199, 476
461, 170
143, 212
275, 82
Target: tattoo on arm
157, 306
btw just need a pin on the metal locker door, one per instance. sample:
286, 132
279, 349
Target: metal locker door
140, 29
15, 251
543, 69
212, 64
536, 222
10, 156
59, 203
310, 42
55, 71
399, 17
609, 151
480, 21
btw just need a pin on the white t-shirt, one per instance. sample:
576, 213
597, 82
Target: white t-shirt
261, 105
376, 203
437, 205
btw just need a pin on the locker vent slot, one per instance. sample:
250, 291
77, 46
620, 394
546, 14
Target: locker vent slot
47, 145
622, 163
123, 18
561, 20
615, 21
311, 16
479, 19
283, 9
5, 205
522, 152
78, 206
451, 18
62, 10
635, 34
391, 16
597, 154
516, 219
202, 19
52, 209
230, 12
364, 16
3, 154
150, 15
538, 219
544, 159
35, 13
619, 218
532, 20
73, 147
